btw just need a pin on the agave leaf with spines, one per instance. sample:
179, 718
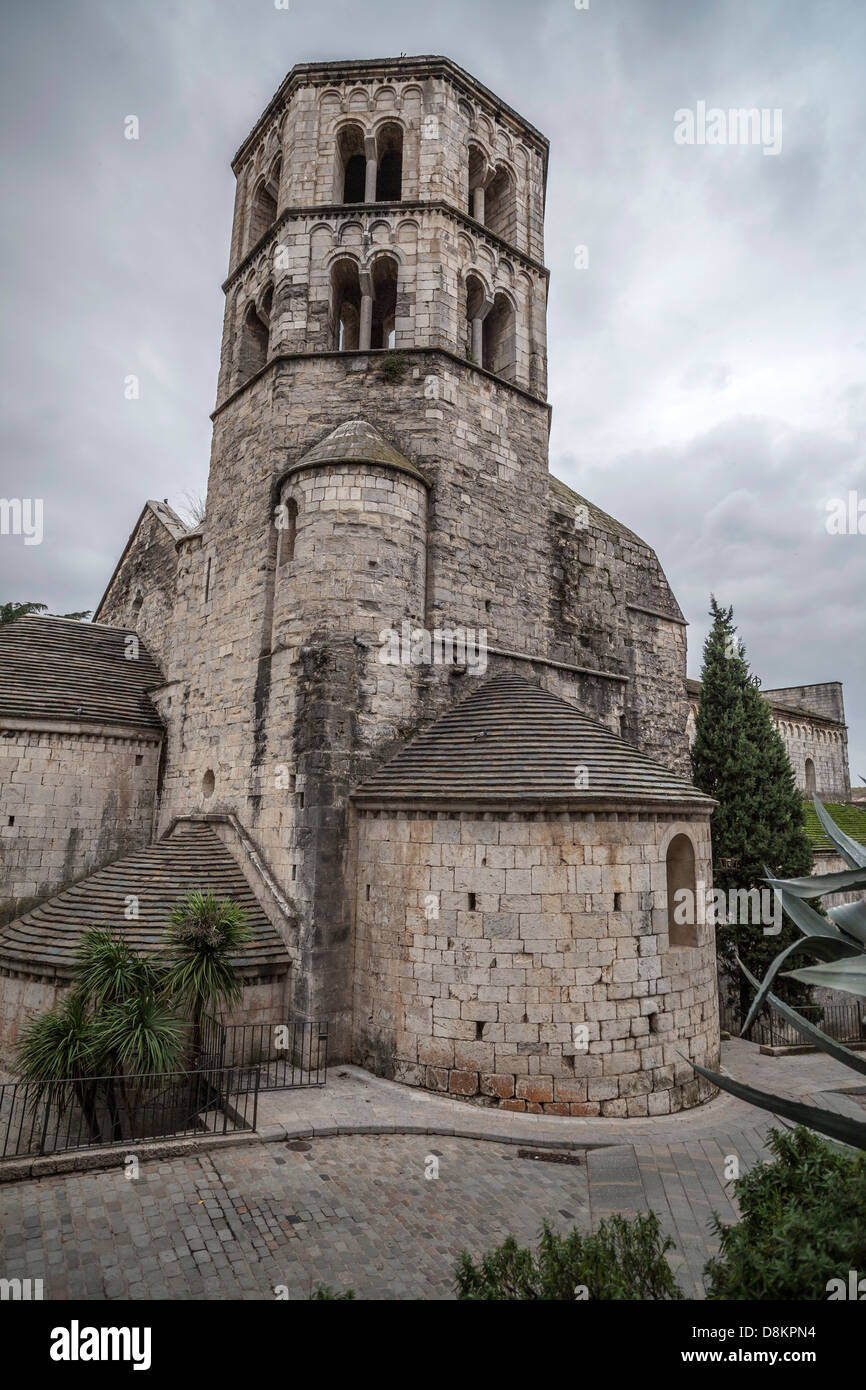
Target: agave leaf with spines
851, 919
820, 936
816, 885
849, 975
839, 942
811, 1031
828, 1122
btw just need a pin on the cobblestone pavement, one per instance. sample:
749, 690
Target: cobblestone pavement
356, 1210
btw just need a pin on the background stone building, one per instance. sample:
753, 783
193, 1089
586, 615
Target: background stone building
811, 722
470, 873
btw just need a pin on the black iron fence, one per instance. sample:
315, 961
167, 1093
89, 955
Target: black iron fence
843, 1022
281, 1055
47, 1117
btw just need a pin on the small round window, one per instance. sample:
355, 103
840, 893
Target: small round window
208, 783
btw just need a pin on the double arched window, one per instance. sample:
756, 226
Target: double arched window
363, 304
490, 329
369, 168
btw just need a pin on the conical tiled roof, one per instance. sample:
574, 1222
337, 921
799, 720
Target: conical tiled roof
192, 857
511, 741
356, 441
55, 668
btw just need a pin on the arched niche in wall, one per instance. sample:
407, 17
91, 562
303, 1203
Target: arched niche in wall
681, 892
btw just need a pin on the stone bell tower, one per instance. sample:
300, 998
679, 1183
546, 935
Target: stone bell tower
379, 456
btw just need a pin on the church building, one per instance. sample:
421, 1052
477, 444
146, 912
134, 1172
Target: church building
414, 702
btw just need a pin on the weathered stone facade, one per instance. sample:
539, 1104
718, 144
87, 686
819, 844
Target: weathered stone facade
565, 930
379, 458
74, 798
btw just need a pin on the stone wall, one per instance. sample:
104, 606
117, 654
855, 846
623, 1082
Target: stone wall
611, 608
813, 741
141, 594
538, 926
74, 799
23, 997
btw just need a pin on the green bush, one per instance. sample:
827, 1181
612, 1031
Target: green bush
394, 367
802, 1223
323, 1293
624, 1259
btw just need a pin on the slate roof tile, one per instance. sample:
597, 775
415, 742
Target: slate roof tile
192, 857
56, 668
510, 740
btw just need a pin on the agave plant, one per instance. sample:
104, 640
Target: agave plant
838, 942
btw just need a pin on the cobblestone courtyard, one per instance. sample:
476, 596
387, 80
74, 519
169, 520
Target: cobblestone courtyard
357, 1211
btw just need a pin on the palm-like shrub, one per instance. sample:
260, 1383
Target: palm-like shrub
838, 942
58, 1044
128, 1017
205, 933
142, 1034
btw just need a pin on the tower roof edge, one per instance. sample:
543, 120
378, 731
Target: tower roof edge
425, 65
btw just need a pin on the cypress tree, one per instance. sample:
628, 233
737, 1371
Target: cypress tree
739, 758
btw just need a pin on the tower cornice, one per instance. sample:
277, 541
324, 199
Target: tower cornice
353, 209
371, 69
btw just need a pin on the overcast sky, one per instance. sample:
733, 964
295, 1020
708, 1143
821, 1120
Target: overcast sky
706, 369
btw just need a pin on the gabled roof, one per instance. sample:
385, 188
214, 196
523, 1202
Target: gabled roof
355, 441
56, 668
192, 857
164, 514
511, 741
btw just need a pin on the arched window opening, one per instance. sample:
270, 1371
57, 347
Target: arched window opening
682, 892
351, 165
288, 531
476, 173
389, 156
254, 339
263, 213
477, 305
345, 306
384, 280
501, 205
810, 777
499, 339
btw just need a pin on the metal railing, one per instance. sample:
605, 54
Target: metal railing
44, 1117
283, 1055
843, 1022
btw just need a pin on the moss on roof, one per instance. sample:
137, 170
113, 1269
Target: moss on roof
562, 493
850, 818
